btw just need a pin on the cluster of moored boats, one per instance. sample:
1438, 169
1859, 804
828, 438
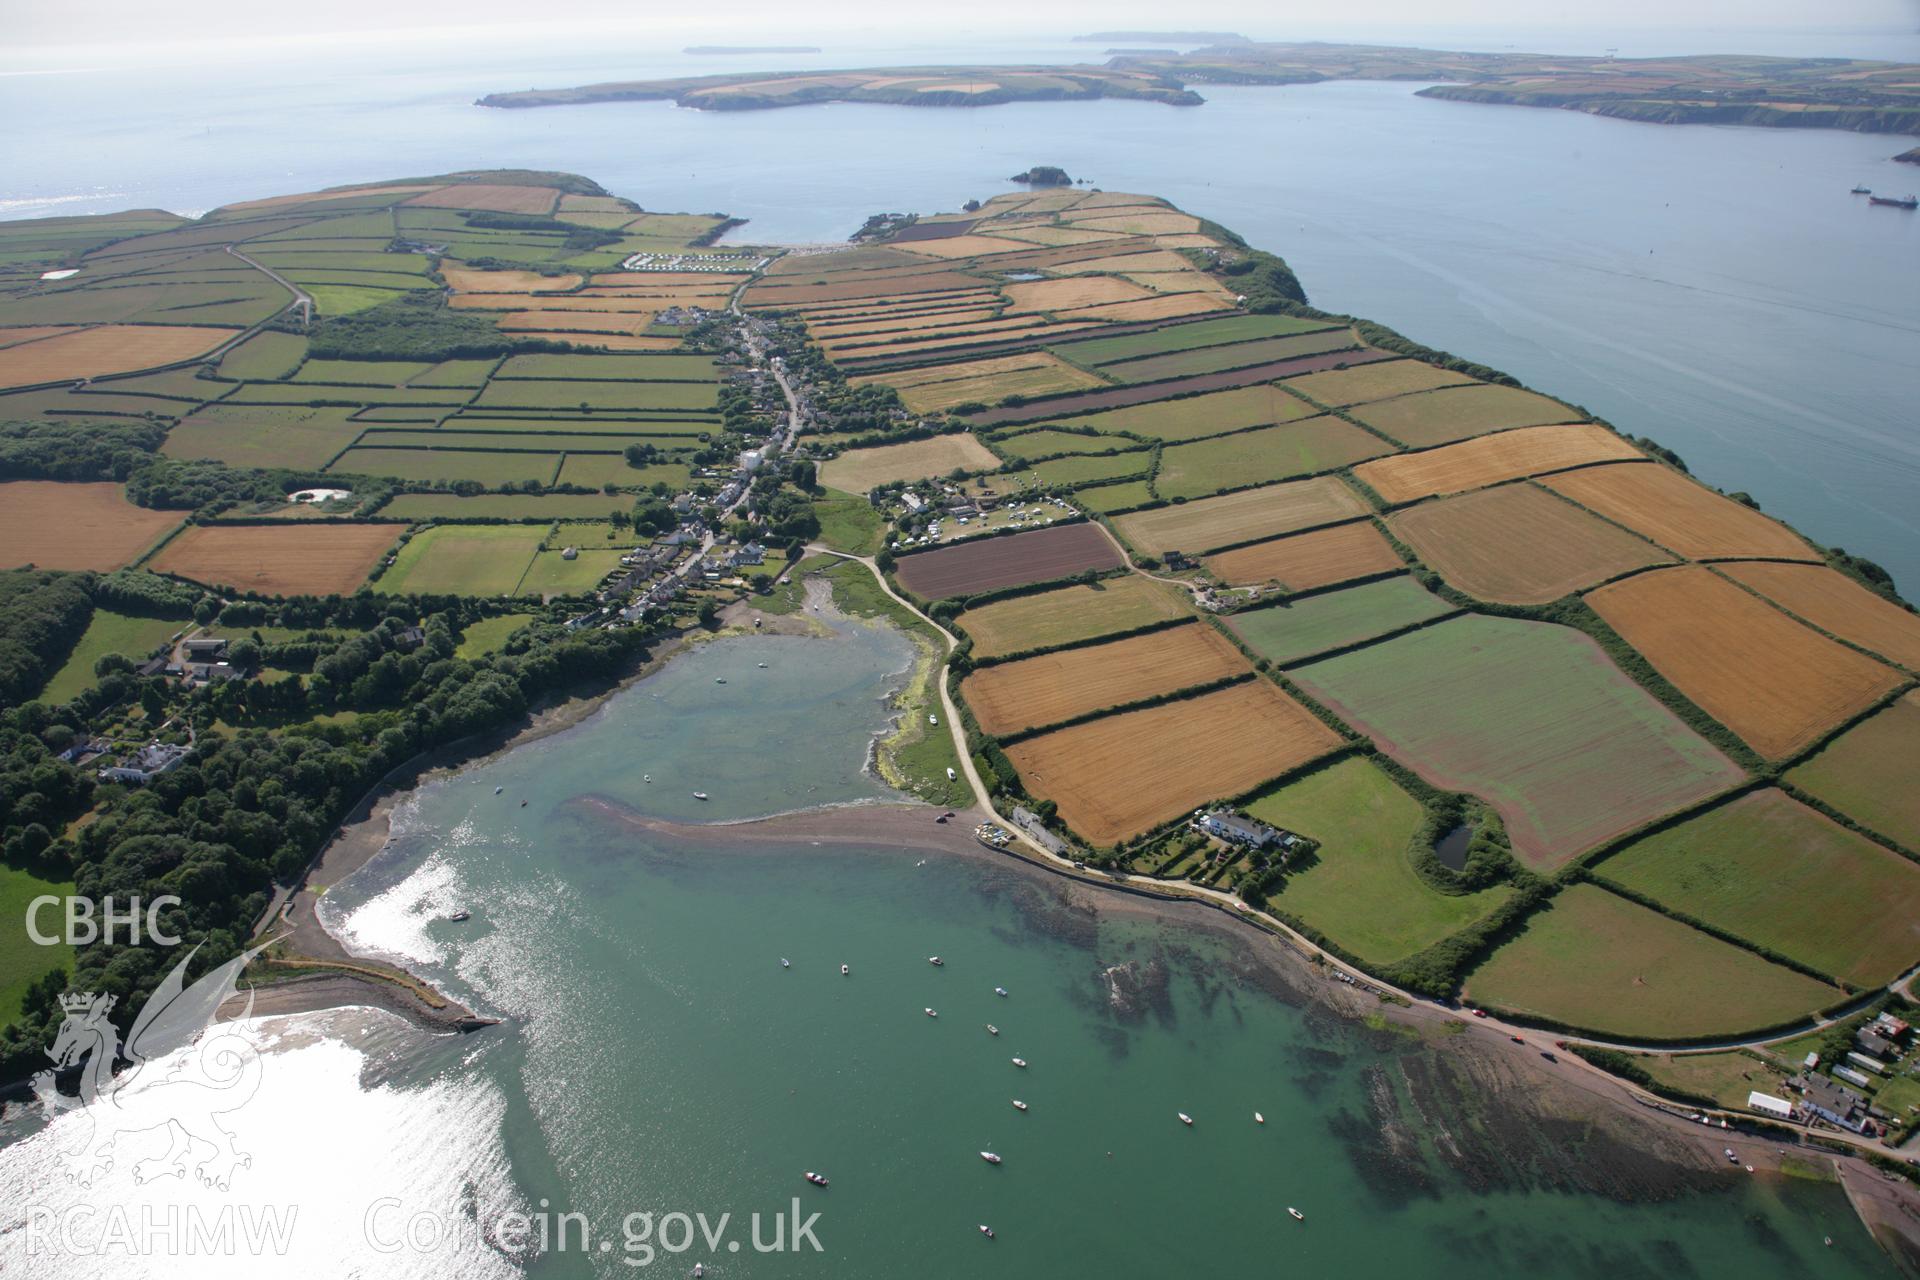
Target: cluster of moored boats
994, 1157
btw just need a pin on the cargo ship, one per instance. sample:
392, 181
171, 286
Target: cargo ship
1911, 202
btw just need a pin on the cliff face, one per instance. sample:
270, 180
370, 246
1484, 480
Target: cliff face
1909, 157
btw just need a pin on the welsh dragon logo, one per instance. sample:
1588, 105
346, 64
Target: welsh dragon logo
189, 1098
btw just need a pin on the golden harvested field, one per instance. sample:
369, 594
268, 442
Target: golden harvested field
829, 330
1051, 235
699, 280
1056, 687
51, 525
1147, 260
847, 289
1680, 514
481, 195
1084, 291
285, 560
986, 381
864, 469
476, 280
626, 323
1777, 684
1144, 224
1070, 615
1122, 775
317, 197
1455, 413
954, 246
623, 305
1338, 388
1241, 517
110, 348
1836, 604
1166, 306
1474, 464
1518, 544
1308, 560
910, 304
18, 334
1007, 331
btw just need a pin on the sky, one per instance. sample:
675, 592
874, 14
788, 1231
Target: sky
100, 23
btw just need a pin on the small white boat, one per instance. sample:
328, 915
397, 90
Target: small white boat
761, 665
816, 1179
498, 790
986, 1231
719, 679
1020, 1062
930, 1013
935, 961
646, 777
990, 1157
1019, 1105
785, 963
845, 970
1258, 1118
1297, 1215
1186, 1119
1000, 991
461, 914
699, 795
992, 1030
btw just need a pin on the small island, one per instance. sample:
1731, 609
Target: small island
702, 49
1910, 156
1043, 175
1163, 37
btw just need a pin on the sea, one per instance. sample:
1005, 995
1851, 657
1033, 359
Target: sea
679, 1045
657, 1065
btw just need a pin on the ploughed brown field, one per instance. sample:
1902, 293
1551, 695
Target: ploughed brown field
1246, 516
1679, 514
1304, 561
1836, 604
284, 560
51, 525
1777, 684
1519, 545
1119, 776
1054, 687
1474, 464
991, 564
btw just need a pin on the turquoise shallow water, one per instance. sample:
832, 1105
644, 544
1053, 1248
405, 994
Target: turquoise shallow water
657, 1057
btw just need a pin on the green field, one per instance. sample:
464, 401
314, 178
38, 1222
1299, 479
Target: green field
363, 373
600, 396
489, 635
1727, 1077
1867, 772
848, 523
1302, 448
553, 574
1360, 889
22, 961
1770, 870
1192, 417
1334, 619
1185, 337
109, 632
612, 368
469, 560
1073, 472
1052, 444
1531, 717
1070, 615
448, 465
413, 435
1455, 413
667, 433
272, 436
596, 470
505, 506
1599, 963
1110, 498
303, 393
454, 373
345, 299
1238, 355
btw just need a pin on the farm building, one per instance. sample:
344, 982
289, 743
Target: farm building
1834, 1102
1029, 822
1767, 1104
1234, 829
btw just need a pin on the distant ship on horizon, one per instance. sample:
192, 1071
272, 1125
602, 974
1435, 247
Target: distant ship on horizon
1910, 202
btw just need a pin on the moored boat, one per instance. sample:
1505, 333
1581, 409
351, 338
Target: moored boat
1000, 991
1186, 1119
1297, 1215
699, 795
986, 1231
1258, 1118
1020, 1062
1894, 202
990, 1157
845, 969
992, 1030
1019, 1105
816, 1179
1862, 191
935, 961
930, 1013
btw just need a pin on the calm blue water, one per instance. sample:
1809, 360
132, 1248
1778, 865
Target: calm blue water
1715, 289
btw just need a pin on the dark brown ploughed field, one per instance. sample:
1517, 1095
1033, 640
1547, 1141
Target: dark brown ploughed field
993, 564
1121, 397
